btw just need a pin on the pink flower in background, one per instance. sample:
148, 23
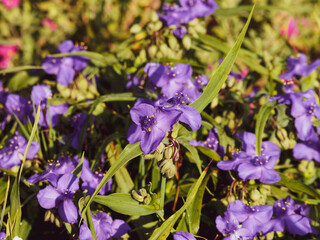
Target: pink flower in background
9, 4
290, 30
6, 53
47, 22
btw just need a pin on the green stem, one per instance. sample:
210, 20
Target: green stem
162, 194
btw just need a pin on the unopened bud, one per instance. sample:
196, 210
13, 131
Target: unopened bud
168, 152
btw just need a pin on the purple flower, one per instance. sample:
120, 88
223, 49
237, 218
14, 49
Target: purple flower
230, 226
199, 8
189, 116
286, 98
291, 217
55, 169
11, 156
182, 235
200, 81
252, 218
150, 125
211, 142
298, 67
20, 106
169, 78
3, 93
65, 67
105, 228
3, 236
303, 111
91, 180
77, 122
180, 31
308, 150
174, 15
251, 166
238, 157
61, 196
40, 94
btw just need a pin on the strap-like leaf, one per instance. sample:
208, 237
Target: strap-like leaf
221, 75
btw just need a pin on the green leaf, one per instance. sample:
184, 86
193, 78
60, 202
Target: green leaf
122, 176
248, 58
17, 69
78, 169
113, 97
129, 152
192, 150
5, 201
96, 58
243, 9
261, 122
15, 205
297, 186
124, 203
282, 118
90, 224
210, 153
25, 229
194, 209
220, 76
164, 230
316, 123
22, 80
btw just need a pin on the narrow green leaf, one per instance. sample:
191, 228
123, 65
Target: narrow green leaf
90, 224
17, 69
113, 97
78, 169
263, 115
194, 209
129, 152
124, 203
15, 204
193, 152
297, 186
25, 229
210, 153
164, 230
22, 80
248, 58
5, 202
122, 176
243, 9
220, 76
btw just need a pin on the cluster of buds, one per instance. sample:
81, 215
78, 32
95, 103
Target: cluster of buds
166, 156
142, 196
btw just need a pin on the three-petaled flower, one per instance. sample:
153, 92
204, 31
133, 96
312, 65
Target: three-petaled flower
150, 125
61, 196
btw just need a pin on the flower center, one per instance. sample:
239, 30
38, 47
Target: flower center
147, 122
68, 193
260, 160
312, 109
173, 72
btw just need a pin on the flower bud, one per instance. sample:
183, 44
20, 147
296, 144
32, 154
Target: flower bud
171, 172
186, 41
168, 152
143, 192
136, 196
